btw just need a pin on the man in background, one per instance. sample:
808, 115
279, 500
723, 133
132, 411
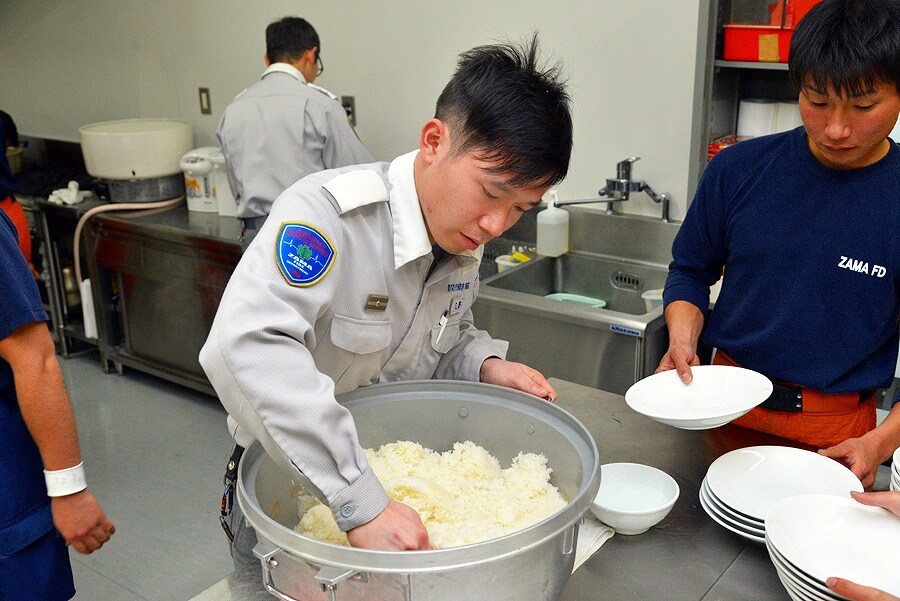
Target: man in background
283, 128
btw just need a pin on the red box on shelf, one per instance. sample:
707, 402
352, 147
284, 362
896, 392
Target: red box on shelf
756, 43
760, 31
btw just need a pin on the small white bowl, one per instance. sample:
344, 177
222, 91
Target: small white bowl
633, 497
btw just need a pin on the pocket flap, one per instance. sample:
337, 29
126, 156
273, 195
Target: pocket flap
360, 336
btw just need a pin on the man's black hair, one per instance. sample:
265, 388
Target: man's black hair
504, 106
850, 45
289, 38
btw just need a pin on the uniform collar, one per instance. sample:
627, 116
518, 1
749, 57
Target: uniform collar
284, 68
410, 233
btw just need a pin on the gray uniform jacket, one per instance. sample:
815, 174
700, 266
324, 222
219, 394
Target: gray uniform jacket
293, 328
278, 131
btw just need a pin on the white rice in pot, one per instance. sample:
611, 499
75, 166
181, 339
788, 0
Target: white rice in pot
462, 495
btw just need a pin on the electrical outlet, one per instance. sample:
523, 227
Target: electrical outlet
349, 104
205, 106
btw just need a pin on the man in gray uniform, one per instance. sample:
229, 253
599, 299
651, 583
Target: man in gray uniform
283, 127
368, 274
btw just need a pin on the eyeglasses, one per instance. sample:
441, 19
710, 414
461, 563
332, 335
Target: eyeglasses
319, 64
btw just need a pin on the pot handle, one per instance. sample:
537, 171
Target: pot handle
266, 552
329, 577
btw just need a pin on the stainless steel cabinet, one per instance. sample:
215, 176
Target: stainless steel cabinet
158, 280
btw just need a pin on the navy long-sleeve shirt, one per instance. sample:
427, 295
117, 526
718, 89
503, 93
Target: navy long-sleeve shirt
812, 263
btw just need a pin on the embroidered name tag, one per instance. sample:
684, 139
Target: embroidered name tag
303, 253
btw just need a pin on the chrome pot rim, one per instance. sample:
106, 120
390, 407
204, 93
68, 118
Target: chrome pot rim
320, 552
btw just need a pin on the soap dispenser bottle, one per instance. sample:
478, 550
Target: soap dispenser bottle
553, 229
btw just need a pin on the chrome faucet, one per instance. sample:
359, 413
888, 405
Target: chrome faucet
619, 189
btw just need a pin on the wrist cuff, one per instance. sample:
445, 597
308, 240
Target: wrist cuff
65, 482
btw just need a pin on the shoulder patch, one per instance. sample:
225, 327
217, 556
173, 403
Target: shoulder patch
353, 189
303, 253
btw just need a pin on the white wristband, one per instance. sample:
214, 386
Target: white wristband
65, 482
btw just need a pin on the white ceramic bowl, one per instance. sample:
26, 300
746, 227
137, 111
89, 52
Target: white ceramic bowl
633, 497
717, 395
823, 535
751, 480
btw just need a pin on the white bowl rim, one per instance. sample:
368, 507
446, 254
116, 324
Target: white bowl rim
721, 521
653, 411
733, 486
727, 512
800, 576
667, 505
782, 530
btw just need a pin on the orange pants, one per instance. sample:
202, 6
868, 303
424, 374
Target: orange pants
826, 419
17, 215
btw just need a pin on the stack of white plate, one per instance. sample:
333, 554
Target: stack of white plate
895, 471
741, 486
813, 537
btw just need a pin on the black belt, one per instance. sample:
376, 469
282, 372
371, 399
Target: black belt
785, 398
228, 495
790, 398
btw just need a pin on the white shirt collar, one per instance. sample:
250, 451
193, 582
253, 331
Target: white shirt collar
410, 233
284, 68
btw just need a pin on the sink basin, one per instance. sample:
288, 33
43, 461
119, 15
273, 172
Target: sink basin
618, 282
609, 348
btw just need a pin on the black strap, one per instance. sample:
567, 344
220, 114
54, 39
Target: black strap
228, 494
231, 468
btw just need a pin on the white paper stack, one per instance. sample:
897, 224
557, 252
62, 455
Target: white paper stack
756, 117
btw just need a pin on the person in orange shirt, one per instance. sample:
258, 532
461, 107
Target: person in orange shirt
8, 201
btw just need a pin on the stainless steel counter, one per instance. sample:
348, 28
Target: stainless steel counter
685, 557
157, 279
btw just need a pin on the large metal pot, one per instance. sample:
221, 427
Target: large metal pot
534, 563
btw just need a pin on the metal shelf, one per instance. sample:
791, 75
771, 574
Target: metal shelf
751, 65
76, 331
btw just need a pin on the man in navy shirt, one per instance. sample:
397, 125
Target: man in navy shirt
806, 225
40, 513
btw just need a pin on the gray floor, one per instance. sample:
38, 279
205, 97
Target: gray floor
154, 454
